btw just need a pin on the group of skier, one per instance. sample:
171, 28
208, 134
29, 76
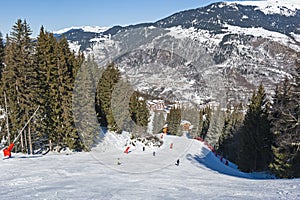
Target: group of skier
153, 153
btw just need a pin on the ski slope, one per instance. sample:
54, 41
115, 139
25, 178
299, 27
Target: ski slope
96, 175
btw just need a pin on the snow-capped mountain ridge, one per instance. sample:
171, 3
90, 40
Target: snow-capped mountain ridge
215, 16
223, 50
212, 17
93, 29
288, 7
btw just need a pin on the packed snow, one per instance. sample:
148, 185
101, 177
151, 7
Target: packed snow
139, 174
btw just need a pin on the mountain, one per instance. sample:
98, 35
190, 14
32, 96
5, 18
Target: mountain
217, 53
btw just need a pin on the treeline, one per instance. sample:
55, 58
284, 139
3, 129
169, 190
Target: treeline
38, 73
268, 137
43, 73
264, 136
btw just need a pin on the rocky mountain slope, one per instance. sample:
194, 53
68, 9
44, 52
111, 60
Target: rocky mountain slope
218, 53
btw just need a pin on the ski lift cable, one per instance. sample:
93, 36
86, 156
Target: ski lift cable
26, 125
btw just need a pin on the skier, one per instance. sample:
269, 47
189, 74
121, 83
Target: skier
153, 153
143, 148
118, 161
177, 162
226, 163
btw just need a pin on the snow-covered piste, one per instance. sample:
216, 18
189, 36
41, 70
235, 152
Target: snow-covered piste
108, 173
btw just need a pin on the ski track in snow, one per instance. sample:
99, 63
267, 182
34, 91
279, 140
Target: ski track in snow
95, 175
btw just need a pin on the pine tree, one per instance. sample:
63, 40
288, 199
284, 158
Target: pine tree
158, 122
206, 114
40, 75
215, 127
200, 124
129, 108
284, 118
2, 101
84, 102
66, 72
45, 59
255, 136
1, 55
110, 77
121, 98
228, 143
138, 109
280, 101
57, 67
173, 121
18, 77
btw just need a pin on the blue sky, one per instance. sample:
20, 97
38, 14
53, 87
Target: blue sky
58, 14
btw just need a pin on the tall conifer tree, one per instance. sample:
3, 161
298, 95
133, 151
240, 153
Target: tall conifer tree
84, 104
215, 126
158, 122
255, 137
173, 121
19, 76
228, 143
284, 116
46, 63
105, 87
139, 111
57, 67
2, 99
66, 71
1, 55
204, 121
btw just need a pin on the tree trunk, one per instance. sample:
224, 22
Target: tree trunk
6, 115
22, 144
25, 142
50, 145
29, 140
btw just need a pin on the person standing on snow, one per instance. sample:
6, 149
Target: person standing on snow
118, 161
177, 162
